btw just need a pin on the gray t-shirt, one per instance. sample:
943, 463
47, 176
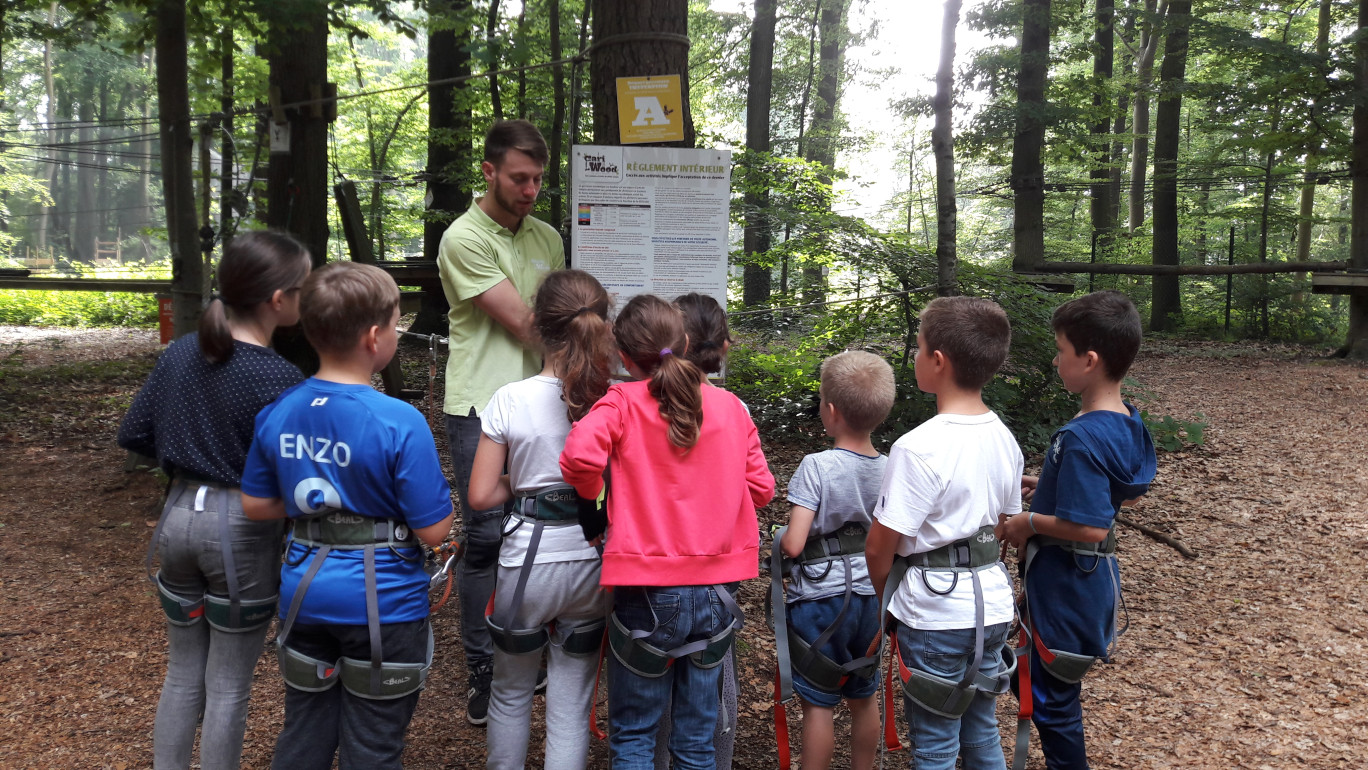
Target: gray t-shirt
842, 487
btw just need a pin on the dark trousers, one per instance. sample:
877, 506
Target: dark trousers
362, 732
477, 571
1058, 717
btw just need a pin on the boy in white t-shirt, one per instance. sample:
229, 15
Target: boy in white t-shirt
946, 483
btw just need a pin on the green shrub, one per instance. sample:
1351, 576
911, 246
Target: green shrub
77, 308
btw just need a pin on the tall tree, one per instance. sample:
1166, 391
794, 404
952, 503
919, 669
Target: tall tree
493, 58
756, 238
173, 112
637, 39
943, 146
1099, 202
822, 134
1305, 214
297, 185
1140, 121
1028, 169
553, 174
1356, 342
449, 141
1166, 306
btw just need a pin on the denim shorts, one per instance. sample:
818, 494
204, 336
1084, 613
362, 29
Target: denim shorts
810, 617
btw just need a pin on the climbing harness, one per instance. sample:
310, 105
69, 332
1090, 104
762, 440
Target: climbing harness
555, 506
650, 661
948, 697
374, 679
229, 613
1063, 665
817, 668
448, 553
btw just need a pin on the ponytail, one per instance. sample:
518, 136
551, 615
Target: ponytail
253, 268
215, 338
650, 332
570, 314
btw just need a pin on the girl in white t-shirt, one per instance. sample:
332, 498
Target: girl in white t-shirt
556, 597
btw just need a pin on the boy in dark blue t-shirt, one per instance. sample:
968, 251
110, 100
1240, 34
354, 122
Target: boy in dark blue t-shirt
1101, 459
357, 474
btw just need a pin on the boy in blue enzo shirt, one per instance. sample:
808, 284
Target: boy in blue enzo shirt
1102, 458
357, 474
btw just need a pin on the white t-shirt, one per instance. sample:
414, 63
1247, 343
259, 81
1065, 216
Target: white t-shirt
947, 478
529, 418
840, 486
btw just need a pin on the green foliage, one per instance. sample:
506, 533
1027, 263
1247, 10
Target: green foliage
76, 308
1172, 434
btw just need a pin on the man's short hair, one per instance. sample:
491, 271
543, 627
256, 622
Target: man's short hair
972, 332
860, 384
342, 300
1105, 322
518, 135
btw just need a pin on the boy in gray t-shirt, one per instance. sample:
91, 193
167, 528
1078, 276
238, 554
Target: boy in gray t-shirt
833, 495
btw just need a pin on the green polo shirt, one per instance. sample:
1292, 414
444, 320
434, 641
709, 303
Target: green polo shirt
476, 254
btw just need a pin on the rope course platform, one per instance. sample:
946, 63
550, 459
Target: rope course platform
1353, 282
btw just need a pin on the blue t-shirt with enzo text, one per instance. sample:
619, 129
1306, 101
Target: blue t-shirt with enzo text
326, 446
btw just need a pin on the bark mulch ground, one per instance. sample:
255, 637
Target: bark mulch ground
1251, 655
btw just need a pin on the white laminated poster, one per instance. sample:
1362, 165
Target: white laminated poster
651, 220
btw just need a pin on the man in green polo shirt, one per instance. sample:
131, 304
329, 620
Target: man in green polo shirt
491, 261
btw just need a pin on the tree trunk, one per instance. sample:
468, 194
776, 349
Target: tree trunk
1356, 341
1166, 307
1306, 212
756, 238
520, 41
813, 29
1118, 147
621, 51
492, 48
50, 168
227, 149
449, 144
1140, 121
1264, 210
173, 110
1028, 171
83, 217
557, 117
1099, 204
297, 188
943, 146
822, 135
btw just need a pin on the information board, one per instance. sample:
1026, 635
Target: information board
651, 220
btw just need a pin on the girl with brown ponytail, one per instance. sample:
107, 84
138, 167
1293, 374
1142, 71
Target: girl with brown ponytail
547, 588
688, 474
219, 571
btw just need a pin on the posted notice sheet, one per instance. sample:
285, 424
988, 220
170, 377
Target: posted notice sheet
651, 220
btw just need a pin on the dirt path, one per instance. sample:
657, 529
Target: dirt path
1251, 656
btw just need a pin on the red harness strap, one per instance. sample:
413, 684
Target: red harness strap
781, 731
891, 740
594, 728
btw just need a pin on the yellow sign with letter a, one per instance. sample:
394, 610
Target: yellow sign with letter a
650, 109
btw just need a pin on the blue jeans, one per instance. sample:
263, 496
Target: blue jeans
810, 617
636, 704
210, 671
365, 734
937, 740
1058, 717
477, 571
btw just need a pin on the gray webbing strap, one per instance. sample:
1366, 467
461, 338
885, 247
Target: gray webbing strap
520, 588
156, 533
830, 630
698, 645
973, 669
780, 616
298, 599
229, 561
373, 620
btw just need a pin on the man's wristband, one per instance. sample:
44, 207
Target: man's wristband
1030, 522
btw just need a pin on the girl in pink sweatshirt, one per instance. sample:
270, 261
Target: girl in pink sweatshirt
687, 475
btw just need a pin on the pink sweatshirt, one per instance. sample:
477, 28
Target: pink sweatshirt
675, 518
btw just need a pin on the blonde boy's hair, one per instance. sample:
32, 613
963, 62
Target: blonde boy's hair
860, 384
972, 332
341, 300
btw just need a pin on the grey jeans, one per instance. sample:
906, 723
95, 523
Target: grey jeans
209, 670
476, 572
566, 594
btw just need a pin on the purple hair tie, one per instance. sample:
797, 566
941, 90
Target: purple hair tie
666, 352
